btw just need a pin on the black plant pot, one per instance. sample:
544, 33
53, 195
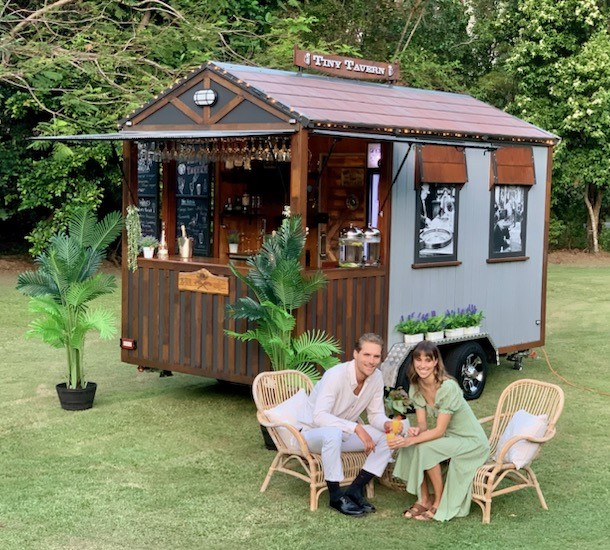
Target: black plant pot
269, 444
78, 399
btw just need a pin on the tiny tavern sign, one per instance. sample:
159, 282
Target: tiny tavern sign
348, 67
203, 281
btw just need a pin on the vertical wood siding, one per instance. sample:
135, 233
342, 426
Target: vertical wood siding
184, 331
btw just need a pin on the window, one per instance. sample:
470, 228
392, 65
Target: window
512, 174
436, 223
441, 170
508, 221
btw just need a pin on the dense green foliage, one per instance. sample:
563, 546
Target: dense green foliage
279, 286
72, 66
66, 280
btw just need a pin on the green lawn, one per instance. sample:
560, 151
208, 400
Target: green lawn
177, 463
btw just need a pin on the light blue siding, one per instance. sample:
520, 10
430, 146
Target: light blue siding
509, 293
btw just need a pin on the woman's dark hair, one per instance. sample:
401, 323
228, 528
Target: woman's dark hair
428, 349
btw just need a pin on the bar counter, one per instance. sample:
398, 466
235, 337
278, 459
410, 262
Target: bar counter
183, 331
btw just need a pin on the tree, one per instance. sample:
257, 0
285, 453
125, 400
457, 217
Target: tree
69, 67
561, 62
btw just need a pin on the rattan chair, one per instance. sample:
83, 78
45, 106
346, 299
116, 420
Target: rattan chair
269, 389
497, 477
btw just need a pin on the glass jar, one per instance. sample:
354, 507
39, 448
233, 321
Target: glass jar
372, 246
351, 245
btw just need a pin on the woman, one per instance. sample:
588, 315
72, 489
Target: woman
456, 437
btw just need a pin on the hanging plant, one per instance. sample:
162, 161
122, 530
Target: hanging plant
134, 236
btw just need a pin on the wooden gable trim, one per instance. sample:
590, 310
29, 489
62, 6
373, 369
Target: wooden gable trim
196, 118
512, 166
249, 97
226, 109
151, 110
205, 117
441, 164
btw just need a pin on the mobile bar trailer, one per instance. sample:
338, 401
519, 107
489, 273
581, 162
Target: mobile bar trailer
458, 190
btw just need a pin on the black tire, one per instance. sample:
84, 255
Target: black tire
468, 365
402, 381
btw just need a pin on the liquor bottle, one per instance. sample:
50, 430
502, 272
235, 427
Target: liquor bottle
162, 252
228, 205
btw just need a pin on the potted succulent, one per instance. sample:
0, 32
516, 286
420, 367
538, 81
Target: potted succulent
148, 245
472, 320
279, 286
412, 327
435, 326
61, 289
233, 237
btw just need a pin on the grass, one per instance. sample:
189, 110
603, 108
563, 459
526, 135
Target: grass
177, 463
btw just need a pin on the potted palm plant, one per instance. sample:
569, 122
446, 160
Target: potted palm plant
61, 289
279, 286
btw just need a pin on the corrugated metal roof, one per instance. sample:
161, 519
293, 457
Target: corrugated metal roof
325, 100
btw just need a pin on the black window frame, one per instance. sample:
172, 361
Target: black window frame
420, 224
497, 213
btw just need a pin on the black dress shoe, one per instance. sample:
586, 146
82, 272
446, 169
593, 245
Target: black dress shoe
346, 506
363, 503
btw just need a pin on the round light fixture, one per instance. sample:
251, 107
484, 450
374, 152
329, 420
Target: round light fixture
205, 98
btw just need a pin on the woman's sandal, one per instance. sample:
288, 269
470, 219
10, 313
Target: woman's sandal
427, 515
416, 510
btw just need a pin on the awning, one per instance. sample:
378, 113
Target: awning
167, 134
404, 139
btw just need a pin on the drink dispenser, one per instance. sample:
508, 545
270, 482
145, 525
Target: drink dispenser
351, 245
372, 246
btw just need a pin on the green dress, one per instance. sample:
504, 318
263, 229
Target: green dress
464, 444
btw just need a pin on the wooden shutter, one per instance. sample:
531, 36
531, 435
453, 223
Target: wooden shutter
441, 164
512, 166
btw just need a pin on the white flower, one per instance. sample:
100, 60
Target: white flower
286, 211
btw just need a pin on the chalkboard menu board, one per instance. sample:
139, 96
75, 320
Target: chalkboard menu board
148, 195
193, 204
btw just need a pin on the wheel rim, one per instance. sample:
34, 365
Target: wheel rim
472, 374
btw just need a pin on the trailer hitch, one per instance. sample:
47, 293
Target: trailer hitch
517, 358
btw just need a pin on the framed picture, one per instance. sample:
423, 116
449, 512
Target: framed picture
436, 222
507, 228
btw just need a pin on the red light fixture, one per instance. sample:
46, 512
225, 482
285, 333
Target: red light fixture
129, 344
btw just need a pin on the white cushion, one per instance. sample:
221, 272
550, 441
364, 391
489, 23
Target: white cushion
523, 424
288, 412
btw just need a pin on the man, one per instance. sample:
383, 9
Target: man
332, 423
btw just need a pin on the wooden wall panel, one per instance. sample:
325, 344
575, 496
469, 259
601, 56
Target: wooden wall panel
184, 331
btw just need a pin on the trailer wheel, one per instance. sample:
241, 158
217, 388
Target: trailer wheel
468, 364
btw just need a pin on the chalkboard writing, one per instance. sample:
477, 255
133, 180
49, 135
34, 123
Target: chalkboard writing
148, 177
193, 179
149, 215
148, 194
194, 214
193, 204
